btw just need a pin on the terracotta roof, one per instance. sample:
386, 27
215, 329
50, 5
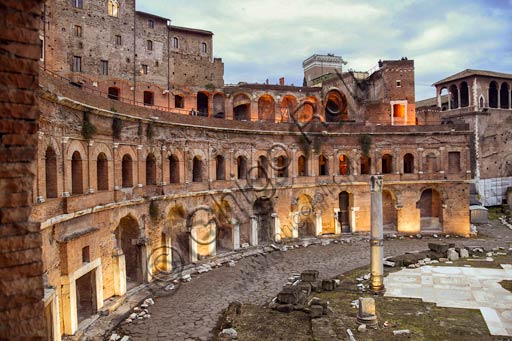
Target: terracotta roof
188, 29
470, 72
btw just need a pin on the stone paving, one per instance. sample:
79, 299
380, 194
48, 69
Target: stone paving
193, 310
459, 287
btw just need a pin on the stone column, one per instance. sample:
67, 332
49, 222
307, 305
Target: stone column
119, 266
318, 223
66, 178
337, 225
140, 165
419, 168
253, 237
295, 224
89, 186
236, 234
377, 240
212, 240
193, 245
277, 227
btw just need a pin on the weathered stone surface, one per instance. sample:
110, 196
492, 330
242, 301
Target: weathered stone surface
316, 311
452, 255
438, 247
228, 334
309, 275
464, 253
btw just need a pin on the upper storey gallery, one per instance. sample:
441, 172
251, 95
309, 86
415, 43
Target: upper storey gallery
108, 48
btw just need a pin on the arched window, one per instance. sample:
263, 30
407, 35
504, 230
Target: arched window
323, 167
127, 171
282, 167
197, 170
102, 172
204, 48
344, 166
387, 164
302, 166
113, 8
77, 183
220, 169
408, 163
151, 170
504, 91
493, 95
263, 168
454, 97
464, 94
51, 173
366, 165
174, 169
241, 166
175, 43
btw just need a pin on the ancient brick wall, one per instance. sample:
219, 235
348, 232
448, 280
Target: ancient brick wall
190, 65
21, 272
156, 55
97, 41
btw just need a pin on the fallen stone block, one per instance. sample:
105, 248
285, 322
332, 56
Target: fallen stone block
328, 285
316, 311
114, 337
389, 263
309, 275
439, 247
228, 334
290, 294
452, 255
401, 332
284, 308
464, 253
125, 338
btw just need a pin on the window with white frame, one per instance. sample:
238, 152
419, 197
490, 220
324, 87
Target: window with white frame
113, 8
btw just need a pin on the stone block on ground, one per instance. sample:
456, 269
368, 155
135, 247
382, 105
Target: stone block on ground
328, 285
228, 334
309, 275
316, 311
463, 253
290, 294
439, 247
452, 255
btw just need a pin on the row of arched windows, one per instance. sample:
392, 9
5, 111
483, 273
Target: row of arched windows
498, 96
281, 167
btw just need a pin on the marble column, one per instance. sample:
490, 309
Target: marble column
376, 240
253, 237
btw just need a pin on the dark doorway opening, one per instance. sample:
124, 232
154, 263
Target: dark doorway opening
86, 296
202, 104
263, 209
343, 215
113, 93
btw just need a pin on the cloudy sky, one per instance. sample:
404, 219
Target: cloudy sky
260, 39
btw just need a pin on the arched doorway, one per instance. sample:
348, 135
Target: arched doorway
224, 234
127, 235
218, 106
430, 210
263, 209
202, 104
266, 108
493, 94
389, 213
335, 107
343, 215
180, 238
288, 104
77, 184
242, 108
306, 216
51, 173
113, 93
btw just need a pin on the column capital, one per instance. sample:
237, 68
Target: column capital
376, 183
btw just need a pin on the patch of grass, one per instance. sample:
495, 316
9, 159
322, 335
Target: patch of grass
507, 285
255, 323
493, 213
